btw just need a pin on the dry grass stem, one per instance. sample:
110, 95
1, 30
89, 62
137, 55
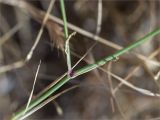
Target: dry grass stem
34, 83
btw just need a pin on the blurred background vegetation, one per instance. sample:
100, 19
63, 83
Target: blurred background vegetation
122, 23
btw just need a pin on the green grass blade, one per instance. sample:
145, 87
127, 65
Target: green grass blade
67, 46
64, 18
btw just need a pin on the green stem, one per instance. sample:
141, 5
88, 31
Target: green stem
84, 70
67, 46
64, 18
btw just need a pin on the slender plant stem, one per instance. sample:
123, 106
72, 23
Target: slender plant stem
84, 70
64, 18
67, 46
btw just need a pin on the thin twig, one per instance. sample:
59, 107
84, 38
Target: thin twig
87, 34
119, 107
111, 87
149, 61
29, 55
135, 70
140, 90
9, 67
88, 51
9, 34
31, 94
99, 19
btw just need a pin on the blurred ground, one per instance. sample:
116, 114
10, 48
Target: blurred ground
122, 23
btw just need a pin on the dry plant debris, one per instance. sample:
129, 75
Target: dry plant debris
124, 89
